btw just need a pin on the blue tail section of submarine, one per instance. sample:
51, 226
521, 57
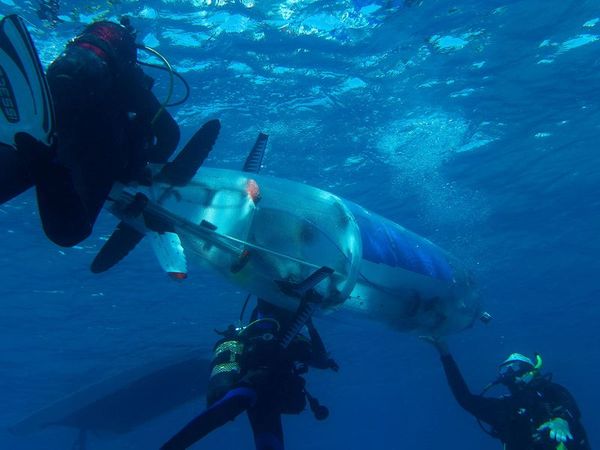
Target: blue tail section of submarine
386, 243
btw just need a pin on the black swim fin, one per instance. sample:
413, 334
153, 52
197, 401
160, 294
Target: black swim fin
121, 242
25, 101
177, 173
256, 155
185, 165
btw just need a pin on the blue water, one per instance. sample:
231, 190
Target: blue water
472, 123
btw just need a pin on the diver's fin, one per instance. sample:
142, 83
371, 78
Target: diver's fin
121, 242
177, 173
255, 157
187, 162
25, 101
170, 254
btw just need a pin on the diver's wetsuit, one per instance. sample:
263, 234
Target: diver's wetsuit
270, 385
104, 110
515, 418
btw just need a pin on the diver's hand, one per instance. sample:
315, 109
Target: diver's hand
439, 344
558, 429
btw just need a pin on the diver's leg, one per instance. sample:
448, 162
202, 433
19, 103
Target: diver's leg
63, 214
89, 146
266, 426
61, 210
228, 408
14, 176
65, 218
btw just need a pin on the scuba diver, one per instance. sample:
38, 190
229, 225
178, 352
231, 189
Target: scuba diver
95, 121
258, 369
537, 415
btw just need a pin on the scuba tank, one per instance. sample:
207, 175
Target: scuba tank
226, 369
238, 350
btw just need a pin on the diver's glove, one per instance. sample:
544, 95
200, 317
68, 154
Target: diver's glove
558, 429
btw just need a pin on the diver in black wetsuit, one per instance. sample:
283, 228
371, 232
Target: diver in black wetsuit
537, 415
109, 125
253, 372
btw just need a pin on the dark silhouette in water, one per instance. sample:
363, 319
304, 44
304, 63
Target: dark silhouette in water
123, 402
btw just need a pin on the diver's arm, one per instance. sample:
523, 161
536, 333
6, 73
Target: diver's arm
164, 128
489, 410
167, 135
320, 357
457, 383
